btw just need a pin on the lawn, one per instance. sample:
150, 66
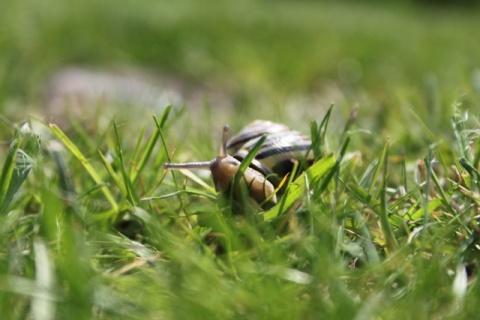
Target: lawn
384, 224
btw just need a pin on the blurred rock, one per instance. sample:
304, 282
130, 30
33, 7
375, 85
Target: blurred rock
83, 93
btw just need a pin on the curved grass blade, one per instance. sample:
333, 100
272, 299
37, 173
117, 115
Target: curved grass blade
419, 213
112, 173
86, 164
472, 171
431, 138
365, 197
130, 190
250, 156
18, 164
151, 144
297, 189
391, 241
318, 132
241, 170
378, 169
192, 192
379, 207
476, 159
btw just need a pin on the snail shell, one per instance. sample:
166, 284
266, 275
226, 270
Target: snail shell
279, 151
273, 161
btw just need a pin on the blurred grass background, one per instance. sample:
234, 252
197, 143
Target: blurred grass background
281, 60
269, 48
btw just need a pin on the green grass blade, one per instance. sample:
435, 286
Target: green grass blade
378, 169
365, 197
380, 208
350, 121
18, 163
472, 171
297, 189
151, 144
318, 133
458, 125
43, 307
241, 170
189, 191
415, 215
391, 242
443, 195
131, 195
403, 199
86, 164
361, 194
364, 180
431, 137
138, 145
250, 156
476, 159
112, 173
284, 198
368, 243
316, 146
159, 131
330, 175
7, 173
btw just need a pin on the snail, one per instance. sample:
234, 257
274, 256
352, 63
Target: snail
276, 157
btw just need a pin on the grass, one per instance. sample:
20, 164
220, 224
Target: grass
384, 225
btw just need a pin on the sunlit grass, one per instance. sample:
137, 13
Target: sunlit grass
358, 246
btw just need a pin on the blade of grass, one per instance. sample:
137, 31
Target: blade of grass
7, 174
364, 180
474, 174
403, 170
364, 197
113, 174
43, 307
370, 201
250, 156
159, 126
414, 215
281, 210
20, 159
138, 145
86, 164
297, 189
402, 199
131, 194
378, 169
368, 243
159, 131
476, 159
431, 138
443, 195
330, 175
241, 170
350, 121
380, 208
458, 125
318, 133
193, 192
148, 150
426, 197
391, 241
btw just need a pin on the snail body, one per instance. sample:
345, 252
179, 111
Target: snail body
272, 162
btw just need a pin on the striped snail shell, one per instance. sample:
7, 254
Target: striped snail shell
278, 152
272, 162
